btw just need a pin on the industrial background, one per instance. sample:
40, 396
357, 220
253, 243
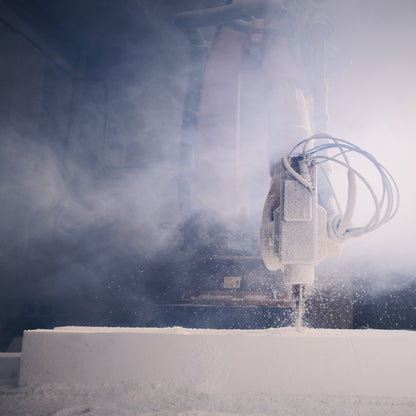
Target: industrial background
91, 106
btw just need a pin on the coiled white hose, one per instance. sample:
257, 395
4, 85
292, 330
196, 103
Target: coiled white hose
323, 148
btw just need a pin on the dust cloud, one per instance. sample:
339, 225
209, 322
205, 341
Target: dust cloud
91, 216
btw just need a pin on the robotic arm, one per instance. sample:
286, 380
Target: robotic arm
301, 233
302, 220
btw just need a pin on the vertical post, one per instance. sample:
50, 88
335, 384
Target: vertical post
198, 53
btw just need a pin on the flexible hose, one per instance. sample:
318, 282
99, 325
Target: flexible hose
317, 149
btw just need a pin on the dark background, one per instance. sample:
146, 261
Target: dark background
90, 114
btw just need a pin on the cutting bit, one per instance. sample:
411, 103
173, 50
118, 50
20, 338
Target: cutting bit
298, 296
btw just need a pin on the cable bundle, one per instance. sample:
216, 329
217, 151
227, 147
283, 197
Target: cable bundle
324, 149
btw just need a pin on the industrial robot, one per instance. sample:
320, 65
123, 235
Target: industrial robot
257, 79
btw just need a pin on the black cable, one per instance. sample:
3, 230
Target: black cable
39, 48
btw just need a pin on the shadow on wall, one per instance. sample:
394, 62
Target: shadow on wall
87, 172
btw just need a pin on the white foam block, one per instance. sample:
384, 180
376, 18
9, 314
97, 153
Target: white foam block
314, 361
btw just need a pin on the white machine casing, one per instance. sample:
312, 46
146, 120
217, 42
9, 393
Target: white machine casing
297, 239
300, 231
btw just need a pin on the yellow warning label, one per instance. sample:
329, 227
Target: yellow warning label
231, 282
